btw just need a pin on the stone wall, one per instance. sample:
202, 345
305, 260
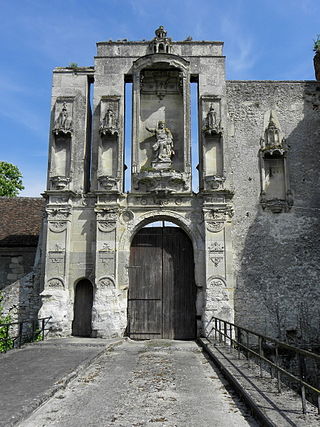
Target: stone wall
276, 255
14, 264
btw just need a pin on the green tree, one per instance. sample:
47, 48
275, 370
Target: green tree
10, 180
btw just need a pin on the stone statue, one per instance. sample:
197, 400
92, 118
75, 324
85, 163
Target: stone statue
109, 123
212, 118
63, 124
163, 146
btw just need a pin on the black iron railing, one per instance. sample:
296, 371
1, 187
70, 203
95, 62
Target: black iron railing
14, 334
269, 352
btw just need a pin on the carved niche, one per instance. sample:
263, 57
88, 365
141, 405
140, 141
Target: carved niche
211, 163
62, 130
276, 195
109, 116
109, 129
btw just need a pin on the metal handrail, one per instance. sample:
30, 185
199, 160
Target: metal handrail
21, 337
232, 333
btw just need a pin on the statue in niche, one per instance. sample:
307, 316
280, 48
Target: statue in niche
109, 123
212, 124
163, 146
63, 124
212, 118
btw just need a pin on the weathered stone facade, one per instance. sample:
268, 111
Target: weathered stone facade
253, 224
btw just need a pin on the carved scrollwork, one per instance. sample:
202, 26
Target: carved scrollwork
106, 282
106, 226
59, 182
110, 214
58, 213
107, 182
216, 282
56, 283
215, 226
57, 226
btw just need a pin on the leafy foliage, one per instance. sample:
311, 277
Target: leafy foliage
316, 45
5, 344
10, 180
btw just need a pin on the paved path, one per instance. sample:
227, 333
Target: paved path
150, 383
33, 373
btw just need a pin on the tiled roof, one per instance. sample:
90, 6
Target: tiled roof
20, 220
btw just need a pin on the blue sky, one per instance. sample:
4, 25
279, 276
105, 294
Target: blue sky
264, 40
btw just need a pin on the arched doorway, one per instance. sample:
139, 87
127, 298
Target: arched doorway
83, 299
162, 291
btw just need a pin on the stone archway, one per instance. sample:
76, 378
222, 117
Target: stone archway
162, 291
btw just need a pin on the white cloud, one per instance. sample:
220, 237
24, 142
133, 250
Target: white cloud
240, 46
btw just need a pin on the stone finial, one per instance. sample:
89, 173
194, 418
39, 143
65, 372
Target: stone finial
161, 43
161, 32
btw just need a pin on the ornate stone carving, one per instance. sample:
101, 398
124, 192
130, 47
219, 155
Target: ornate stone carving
214, 182
277, 205
59, 182
109, 124
215, 226
107, 182
106, 282
212, 123
216, 260
161, 181
106, 248
63, 124
127, 216
163, 147
161, 43
56, 256
216, 247
58, 213
109, 116
56, 283
110, 214
57, 226
106, 226
216, 282
273, 141
276, 195
161, 82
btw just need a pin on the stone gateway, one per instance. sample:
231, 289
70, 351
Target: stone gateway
244, 246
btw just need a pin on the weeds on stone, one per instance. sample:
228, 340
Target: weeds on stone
5, 342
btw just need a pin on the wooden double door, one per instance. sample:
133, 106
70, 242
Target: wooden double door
162, 291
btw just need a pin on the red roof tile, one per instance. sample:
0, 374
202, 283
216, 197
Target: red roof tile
20, 220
